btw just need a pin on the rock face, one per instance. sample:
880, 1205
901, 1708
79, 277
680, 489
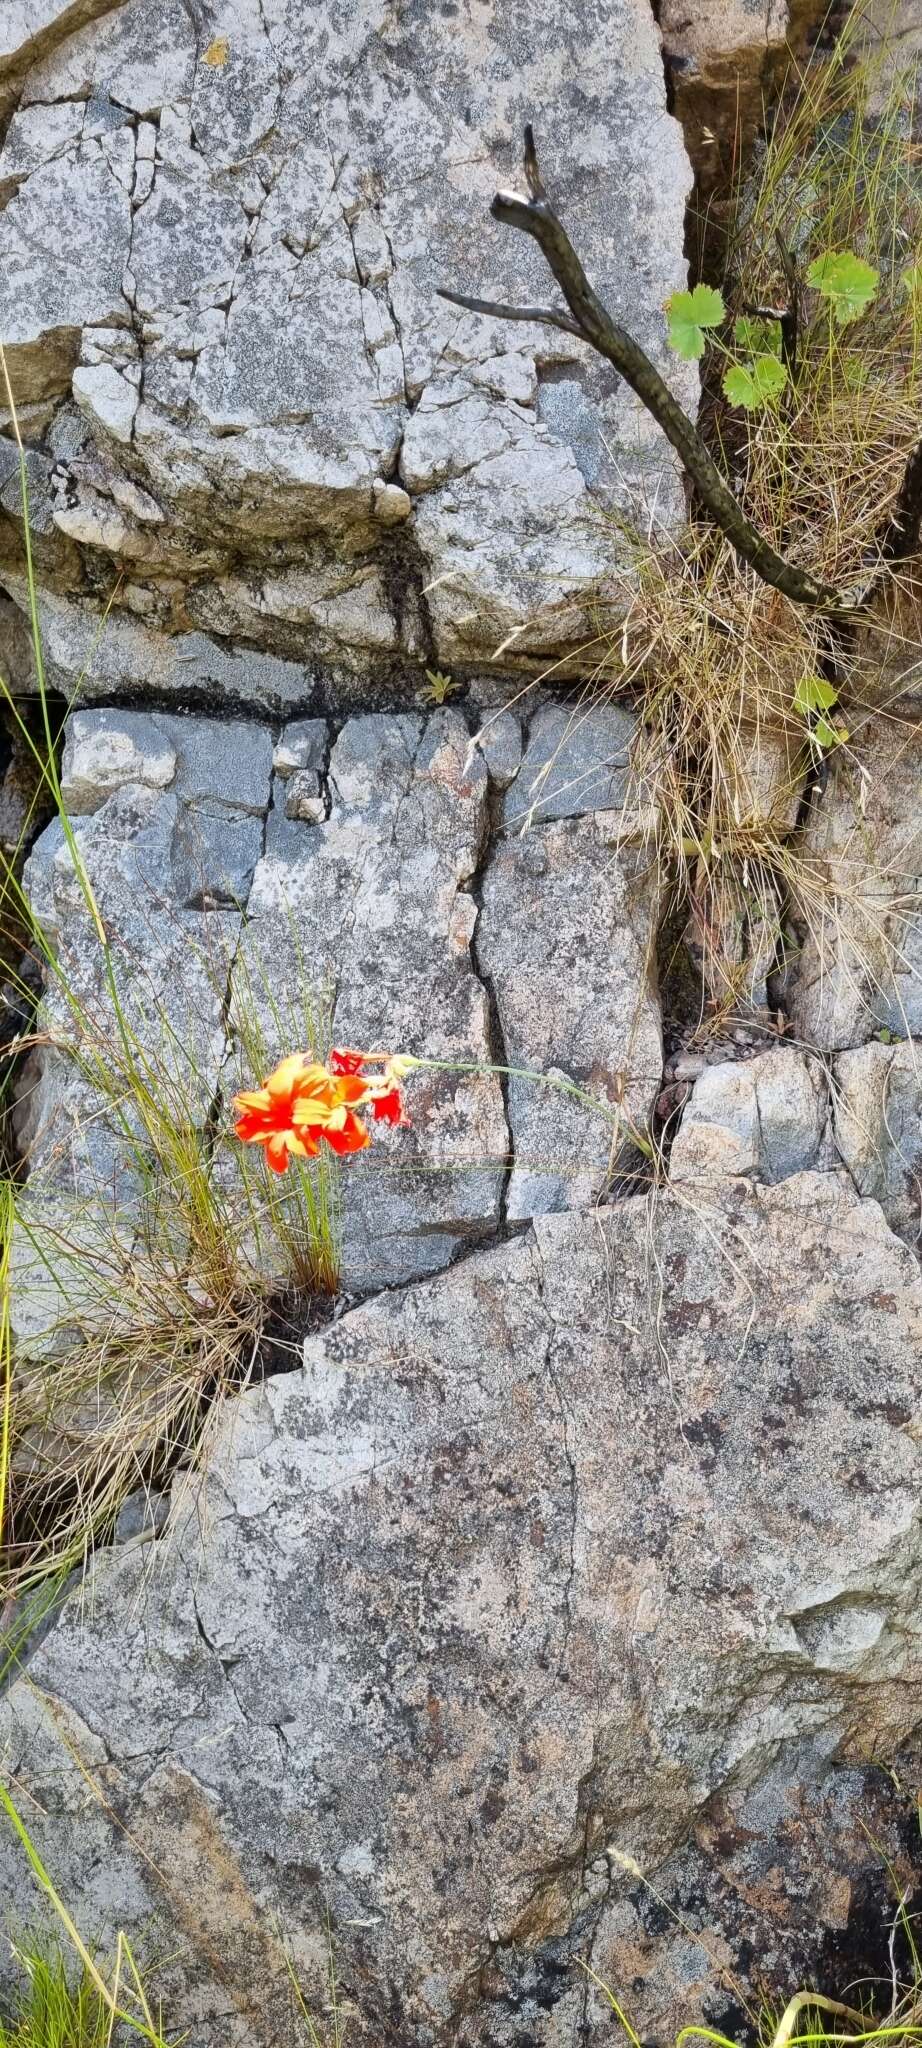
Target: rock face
721, 56
265, 889
596, 1526
244, 394
878, 1126
859, 968
584, 1539
764, 1117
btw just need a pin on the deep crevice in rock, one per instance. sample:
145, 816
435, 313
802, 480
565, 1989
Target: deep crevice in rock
29, 807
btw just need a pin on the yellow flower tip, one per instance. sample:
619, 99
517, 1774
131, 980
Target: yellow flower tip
282, 1079
309, 1110
401, 1064
256, 1098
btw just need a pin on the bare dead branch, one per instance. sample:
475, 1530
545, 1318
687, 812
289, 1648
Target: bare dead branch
548, 315
593, 323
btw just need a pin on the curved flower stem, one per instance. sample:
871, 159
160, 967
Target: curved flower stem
614, 1114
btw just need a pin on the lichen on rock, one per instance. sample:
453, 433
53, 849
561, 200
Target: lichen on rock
252, 335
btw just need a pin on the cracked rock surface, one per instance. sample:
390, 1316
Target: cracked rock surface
354, 883
219, 254
522, 1568
858, 970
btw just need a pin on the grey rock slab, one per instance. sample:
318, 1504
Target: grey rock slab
274, 235
484, 1593
860, 967
499, 740
104, 749
765, 1116
131, 658
226, 762
107, 397
215, 851
219, 772
877, 1100
31, 29
358, 932
78, 281
34, 136
75, 1118
566, 940
117, 62
143, 1516
304, 798
304, 745
576, 759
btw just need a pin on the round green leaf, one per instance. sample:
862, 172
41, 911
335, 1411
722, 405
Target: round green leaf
757, 336
755, 384
827, 735
814, 694
846, 281
689, 314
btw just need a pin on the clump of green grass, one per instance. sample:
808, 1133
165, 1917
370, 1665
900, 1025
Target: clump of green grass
52, 2008
57, 2010
69, 1997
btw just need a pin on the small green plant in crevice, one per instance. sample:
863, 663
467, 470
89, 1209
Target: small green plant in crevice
741, 695
814, 699
438, 687
758, 375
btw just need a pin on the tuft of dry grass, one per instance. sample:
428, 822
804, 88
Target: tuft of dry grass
142, 1314
713, 657
157, 1296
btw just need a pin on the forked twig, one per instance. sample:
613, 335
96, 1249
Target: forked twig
589, 320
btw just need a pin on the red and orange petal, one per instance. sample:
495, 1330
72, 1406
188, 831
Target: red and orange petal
251, 1126
351, 1088
345, 1060
257, 1098
351, 1136
276, 1152
286, 1077
388, 1108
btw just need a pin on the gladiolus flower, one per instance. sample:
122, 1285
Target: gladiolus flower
384, 1096
303, 1102
298, 1104
344, 1061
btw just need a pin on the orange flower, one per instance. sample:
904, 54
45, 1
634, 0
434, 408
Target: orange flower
383, 1094
298, 1104
302, 1102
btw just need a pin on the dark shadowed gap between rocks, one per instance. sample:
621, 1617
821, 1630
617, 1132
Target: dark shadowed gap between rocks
722, 119
26, 807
